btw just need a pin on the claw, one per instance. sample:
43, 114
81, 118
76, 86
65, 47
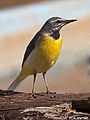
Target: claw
33, 94
49, 92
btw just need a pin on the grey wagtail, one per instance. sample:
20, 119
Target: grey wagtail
42, 52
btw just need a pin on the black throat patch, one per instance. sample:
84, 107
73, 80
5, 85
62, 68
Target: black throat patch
55, 35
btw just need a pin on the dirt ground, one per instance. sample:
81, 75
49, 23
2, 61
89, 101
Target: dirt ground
15, 105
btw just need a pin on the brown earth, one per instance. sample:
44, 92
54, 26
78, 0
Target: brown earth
18, 106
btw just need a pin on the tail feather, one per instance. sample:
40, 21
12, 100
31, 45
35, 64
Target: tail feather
16, 82
23, 74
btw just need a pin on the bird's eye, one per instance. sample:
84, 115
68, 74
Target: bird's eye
58, 21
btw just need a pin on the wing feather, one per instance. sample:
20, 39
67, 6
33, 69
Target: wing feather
30, 47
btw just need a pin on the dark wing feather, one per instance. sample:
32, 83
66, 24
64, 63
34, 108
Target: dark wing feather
30, 47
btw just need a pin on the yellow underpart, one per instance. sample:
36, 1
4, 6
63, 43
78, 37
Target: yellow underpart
43, 57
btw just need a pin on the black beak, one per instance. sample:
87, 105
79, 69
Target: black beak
69, 21
65, 22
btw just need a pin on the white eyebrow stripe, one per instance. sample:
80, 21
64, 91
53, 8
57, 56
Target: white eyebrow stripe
54, 20
57, 20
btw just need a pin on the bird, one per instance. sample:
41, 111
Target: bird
42, 52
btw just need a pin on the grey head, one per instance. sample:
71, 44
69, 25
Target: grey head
54, 25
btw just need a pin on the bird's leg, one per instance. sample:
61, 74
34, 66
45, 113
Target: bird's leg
46, 83
33, 85
48, 92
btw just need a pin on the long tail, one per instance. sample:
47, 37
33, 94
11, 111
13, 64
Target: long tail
17, 81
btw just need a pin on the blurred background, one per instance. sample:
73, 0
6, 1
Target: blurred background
19, 22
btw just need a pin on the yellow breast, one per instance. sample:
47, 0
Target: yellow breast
48, 51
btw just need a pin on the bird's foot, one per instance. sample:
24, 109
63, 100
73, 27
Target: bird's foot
34, 95
49, 92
